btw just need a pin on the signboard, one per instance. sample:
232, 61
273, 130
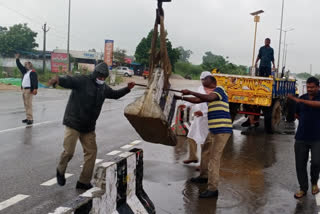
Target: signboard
59, 62
108, 52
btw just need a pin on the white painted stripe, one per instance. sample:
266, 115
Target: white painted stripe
97, 161
127, 146
318, 199
115, 152
12, 201
136, 142
54, 180
61, 210
126, 154
89, 193
33, 125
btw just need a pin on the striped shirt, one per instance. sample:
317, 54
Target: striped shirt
219, 119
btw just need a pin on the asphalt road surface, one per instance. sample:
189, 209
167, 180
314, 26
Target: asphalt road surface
257, 171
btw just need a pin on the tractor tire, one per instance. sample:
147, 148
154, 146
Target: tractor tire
272, 117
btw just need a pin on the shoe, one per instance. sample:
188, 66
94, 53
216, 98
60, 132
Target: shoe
83, 186
248, 131
300, 194
209, 194
60, 178
315, 189
25, 120
29, 122
246, 124
190, 161
199, 180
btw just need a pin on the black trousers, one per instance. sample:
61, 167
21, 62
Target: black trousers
302, 149
264, 71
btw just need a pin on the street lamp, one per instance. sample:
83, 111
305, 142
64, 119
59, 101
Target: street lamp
284, 44
280, 37
256, 20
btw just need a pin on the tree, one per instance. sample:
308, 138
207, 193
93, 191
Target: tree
119, 55
92, 50
143, 50
184, 54
18, 38
210, 61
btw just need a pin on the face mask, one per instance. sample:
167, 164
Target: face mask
99, 82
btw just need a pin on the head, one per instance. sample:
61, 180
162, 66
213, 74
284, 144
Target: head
101, 72
208, 80
28, 65
312, 86
267, 42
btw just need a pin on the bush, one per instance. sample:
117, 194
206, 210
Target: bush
187, 69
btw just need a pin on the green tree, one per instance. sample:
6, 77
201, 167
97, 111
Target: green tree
119, 55
18, 38
143, 50
304, 75
184, 54
211, 61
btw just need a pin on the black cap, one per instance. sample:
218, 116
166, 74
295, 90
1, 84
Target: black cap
101, 70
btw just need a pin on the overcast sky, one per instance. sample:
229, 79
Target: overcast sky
221, 26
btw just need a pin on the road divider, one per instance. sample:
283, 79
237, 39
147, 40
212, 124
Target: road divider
118, 188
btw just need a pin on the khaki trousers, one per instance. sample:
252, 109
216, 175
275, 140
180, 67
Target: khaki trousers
211, 154
27, 101
192, 149
88, 142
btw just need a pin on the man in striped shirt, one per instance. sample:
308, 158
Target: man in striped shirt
220, 127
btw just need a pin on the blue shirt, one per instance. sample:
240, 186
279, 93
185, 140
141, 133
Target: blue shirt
219, 119
266, 56
309, 121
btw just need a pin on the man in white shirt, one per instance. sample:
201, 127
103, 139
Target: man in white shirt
29, 87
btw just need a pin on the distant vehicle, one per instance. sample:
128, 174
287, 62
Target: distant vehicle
125, 71
145, 74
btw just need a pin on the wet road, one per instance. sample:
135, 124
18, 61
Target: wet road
257, 172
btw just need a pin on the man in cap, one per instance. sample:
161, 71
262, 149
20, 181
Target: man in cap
82, 111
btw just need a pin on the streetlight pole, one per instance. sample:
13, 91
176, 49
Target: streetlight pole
284, 45
256, 20
68, 45
279, 51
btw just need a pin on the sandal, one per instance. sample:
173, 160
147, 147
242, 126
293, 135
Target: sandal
315, 189
299, 194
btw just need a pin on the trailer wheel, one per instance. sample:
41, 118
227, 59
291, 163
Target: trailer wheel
272, 117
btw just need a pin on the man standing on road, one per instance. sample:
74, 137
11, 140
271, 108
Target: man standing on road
198, 130
308, 137
29, 87
220, 127
82, 111
266, 57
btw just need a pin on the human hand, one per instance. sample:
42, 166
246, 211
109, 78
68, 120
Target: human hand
131, 85
186, 92
53, 81
17, 56
198, 114
182, 107
35, 91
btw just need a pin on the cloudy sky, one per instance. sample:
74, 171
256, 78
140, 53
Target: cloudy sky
221, 26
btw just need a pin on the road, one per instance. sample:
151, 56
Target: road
257, 172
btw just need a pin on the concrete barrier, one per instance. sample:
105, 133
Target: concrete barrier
118, 189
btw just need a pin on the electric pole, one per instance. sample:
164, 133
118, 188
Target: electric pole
68, 45
45, 31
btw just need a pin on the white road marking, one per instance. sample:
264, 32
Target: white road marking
54, 180
12, 201
61, 210
127, 146
97, 161
33, 125
115, 152
136, 142
89, 193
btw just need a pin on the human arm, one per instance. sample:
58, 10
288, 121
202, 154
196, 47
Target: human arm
34, 82
273, 64
66, 82
258, 57
311, 103
116, 94
22, 69
198, 97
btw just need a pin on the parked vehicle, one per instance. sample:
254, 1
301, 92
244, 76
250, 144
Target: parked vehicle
145, 74
125, 71
264, 96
